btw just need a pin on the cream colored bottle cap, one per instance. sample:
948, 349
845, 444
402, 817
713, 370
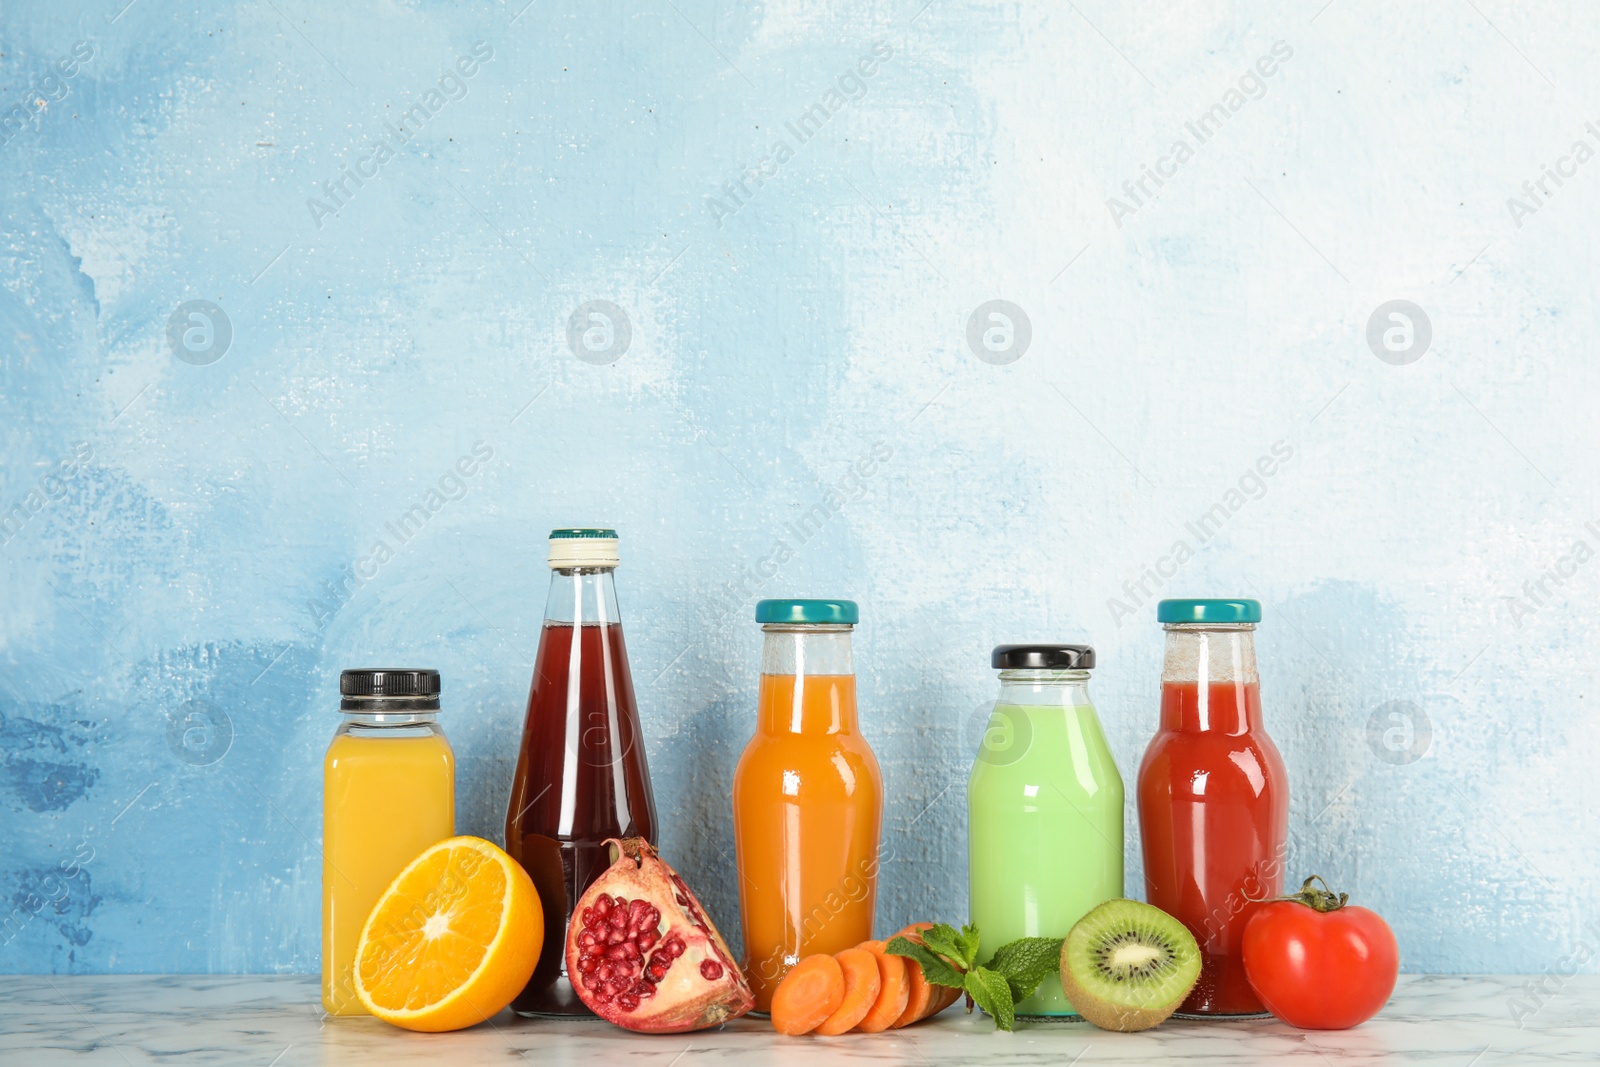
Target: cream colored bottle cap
587, 547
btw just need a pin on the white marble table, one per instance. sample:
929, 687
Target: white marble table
277, 1022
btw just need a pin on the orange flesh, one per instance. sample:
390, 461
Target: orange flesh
407, 965
452, 940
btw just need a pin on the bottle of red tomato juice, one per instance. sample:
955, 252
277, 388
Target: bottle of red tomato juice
1213, 795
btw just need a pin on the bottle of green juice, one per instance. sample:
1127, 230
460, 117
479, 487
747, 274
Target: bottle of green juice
1044, 807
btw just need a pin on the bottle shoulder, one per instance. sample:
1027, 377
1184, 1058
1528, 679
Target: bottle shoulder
371, 748
808, 744
807, 759
1046, 781
1207, 742
1200, 763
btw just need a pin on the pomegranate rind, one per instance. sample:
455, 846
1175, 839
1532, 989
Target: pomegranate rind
684, 999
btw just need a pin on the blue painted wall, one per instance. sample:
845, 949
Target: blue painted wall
273, 269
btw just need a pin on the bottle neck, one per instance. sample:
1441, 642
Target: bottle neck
390, 722
1045, 688
807, 650
1209, 681
583, 595
808, 683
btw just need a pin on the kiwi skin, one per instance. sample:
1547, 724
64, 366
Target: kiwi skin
1106, 1014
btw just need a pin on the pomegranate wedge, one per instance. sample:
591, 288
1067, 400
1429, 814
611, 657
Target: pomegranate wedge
642, 952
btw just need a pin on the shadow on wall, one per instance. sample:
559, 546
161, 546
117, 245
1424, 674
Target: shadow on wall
1362, 712
691, 771
46, 766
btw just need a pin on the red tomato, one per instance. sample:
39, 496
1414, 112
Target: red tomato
1318, 963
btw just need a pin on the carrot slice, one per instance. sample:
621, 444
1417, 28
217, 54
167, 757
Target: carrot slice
925, 998
861, 985
919, 989
893, 990
808, 995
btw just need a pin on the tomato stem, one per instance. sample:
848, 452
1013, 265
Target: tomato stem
1321, 900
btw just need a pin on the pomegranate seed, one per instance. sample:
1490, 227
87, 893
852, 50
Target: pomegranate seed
644, 991
617, 952
601, 906
630, 949
627, 1001
647, 940
586, 939
616, 937
710, 970
588, 964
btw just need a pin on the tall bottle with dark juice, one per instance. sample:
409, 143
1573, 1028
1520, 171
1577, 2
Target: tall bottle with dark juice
1213, 795
581, 775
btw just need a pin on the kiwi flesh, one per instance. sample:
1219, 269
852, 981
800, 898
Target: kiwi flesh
1128, 965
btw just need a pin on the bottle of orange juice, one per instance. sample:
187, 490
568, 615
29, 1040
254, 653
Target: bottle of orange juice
388, 792
807, 797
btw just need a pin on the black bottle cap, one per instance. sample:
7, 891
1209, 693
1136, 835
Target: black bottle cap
419, 688
1042, 657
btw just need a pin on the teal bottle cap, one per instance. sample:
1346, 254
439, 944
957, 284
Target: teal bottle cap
582, 534
1199, 609
802, 612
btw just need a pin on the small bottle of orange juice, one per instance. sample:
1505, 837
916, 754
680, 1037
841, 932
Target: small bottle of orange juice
388, 792
807, 797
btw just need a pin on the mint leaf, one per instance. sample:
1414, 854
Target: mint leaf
1026, 962
992, 993
969, 945
959, 948
934, 969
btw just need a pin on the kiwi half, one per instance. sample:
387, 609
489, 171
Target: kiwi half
1127, 965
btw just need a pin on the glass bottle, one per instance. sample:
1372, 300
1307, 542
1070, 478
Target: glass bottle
581, 774
807, 797
1044, 807
388, 792
1213, 794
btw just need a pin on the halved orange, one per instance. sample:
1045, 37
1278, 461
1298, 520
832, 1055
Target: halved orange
452, 940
